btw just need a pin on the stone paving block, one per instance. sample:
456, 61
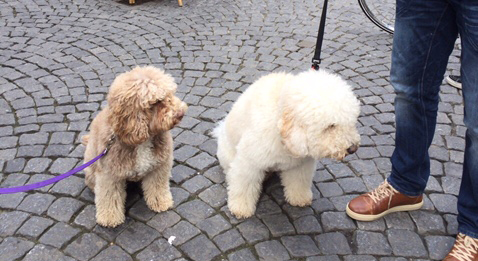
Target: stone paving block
58, 235
61, 166
72, 186
85, 247
439, 246
340, 203
64, 208
11, 221
406, 243
45, 253
307, 225
445, 203
141, 211
159, 250
271, 250
11, 201
266, 207
137, 236
36, 203
179, 196
12, 248
323, 258
215, 196
229, 240
451, 224
181, 173
113, 253
34, 227
86, 218
182, 231
330, 189
333, 243
371, 243
109, 234
37, 165
278, 225
352, 185
359, 258
196, 184
376, 225
399, 220
242, 255
451, 185
322, 205
333, 221
213, 225
195, 211
340, 170
300, 246
428, 223
201, 161
253, 230
207, 249
164, 220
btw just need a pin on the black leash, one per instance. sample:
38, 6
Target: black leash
318, 46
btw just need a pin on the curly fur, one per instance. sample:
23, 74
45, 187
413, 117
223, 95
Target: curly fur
141, 110
285, 122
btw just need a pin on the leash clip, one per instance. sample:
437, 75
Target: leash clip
109, 143
315, 64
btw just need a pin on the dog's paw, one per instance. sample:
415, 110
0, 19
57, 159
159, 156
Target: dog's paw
160, 204
110, 220
299, 199
241, 210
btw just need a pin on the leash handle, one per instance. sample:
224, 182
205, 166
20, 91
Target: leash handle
320, 37
52, 180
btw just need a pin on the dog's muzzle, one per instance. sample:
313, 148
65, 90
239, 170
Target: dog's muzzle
352, 149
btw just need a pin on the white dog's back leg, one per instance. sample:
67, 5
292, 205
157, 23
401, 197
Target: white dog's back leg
225, 152
297, 184
244, 187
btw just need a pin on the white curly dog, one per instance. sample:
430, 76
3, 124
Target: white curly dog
284, 122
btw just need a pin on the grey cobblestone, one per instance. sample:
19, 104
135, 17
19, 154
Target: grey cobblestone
59, 60
136, 237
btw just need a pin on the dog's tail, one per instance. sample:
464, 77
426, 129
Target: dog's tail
84, 139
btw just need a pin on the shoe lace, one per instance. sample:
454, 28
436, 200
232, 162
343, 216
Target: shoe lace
465, 248
383, 191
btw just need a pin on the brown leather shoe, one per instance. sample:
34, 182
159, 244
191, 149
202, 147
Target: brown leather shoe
464, 249
380, 202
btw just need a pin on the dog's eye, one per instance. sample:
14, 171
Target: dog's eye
156, 103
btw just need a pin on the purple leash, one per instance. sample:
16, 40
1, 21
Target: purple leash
52, 180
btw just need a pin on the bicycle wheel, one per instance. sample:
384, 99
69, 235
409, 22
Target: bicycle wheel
380, 12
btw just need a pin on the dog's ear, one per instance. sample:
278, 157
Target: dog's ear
129, 120
294, 136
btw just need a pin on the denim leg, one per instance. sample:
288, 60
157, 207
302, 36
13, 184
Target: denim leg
467, 14
425, 33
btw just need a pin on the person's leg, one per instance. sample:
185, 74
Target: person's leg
425, 33
468, 197
466, 244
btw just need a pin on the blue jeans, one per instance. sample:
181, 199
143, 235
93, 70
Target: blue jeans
425, 34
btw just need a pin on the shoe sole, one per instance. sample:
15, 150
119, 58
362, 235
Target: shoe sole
363, 217
453, 83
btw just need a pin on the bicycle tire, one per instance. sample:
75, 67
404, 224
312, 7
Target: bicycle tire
384, 19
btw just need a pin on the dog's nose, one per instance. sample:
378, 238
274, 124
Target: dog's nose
180, 114
352, 149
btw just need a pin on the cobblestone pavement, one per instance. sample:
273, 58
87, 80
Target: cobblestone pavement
59, 57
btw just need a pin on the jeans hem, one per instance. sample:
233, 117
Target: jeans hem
468, 233
403, 191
